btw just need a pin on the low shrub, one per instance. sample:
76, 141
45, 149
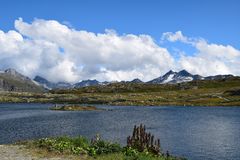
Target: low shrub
140, 146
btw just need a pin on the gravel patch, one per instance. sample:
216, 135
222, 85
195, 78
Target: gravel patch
20, 152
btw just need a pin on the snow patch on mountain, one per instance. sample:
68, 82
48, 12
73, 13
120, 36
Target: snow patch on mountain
169, 78
175, 77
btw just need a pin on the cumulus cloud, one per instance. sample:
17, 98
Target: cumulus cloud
60, 53
177, 36
209, 59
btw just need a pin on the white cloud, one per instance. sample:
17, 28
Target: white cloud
60, 53
173, 37
210, 59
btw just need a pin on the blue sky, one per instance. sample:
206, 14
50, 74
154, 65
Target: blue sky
215, 20
208, 29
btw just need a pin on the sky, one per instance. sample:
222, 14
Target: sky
73, 40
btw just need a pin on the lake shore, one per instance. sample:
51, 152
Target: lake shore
124, 99
23, 152
80, 148
141, 145
177, 127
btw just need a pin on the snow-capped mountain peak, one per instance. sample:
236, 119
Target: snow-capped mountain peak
175, 77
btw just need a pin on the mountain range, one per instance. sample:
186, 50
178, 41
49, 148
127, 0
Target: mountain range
170, 77
51, 85
11, 80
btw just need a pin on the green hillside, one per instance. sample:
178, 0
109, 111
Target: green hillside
224, 92
204, 92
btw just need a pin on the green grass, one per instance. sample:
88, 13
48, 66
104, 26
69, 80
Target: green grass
95, 149
195, 93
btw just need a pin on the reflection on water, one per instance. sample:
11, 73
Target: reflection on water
195, 132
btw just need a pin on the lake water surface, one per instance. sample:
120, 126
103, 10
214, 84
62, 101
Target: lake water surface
198, 133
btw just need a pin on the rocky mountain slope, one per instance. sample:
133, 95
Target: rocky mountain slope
11, 80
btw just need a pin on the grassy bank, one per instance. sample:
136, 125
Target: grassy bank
82, 148
141, 145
